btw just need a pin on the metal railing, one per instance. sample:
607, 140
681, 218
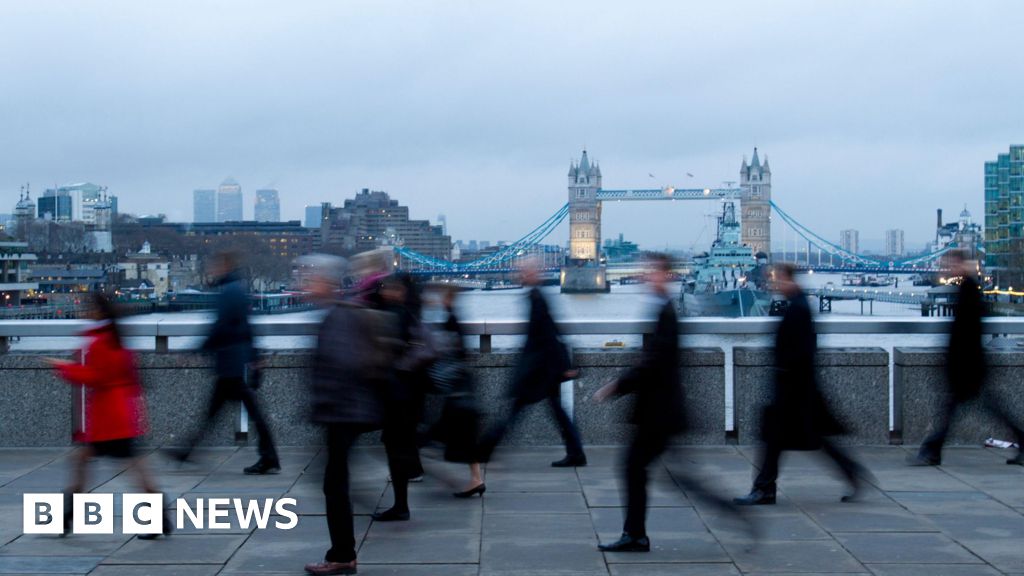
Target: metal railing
164, 329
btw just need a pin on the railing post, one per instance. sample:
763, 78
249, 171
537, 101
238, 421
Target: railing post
647, 339
485, 343
5, 345
162, 344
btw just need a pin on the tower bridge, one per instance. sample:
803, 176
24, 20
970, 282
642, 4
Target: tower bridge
584, 270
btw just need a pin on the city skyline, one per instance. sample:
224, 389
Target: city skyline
480, 104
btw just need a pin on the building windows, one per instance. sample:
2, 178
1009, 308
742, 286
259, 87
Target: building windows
581, 193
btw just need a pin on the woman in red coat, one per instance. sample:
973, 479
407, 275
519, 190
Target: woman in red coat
115, 411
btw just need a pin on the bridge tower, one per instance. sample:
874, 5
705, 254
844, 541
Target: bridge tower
755, 210
583, 270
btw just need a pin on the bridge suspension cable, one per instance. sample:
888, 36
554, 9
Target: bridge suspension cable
846, 256
491, 261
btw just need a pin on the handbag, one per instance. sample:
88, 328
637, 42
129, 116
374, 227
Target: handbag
446, 376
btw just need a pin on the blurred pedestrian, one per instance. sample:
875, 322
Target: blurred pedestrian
459, 426
231, 342
542, 367
966, 367
405, 393
798, 417
350, 370
659, 410
115, 409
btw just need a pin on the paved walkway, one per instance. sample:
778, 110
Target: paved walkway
964, 518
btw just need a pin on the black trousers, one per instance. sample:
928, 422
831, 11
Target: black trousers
646, 447
772, 452
570, 435
236, 389
931, 448
340, 523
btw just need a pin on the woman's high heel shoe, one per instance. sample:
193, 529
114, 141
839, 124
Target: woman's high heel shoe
478, 489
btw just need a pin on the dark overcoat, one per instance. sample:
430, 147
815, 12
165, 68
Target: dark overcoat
798, 416
655, 381
965, 366
544, 359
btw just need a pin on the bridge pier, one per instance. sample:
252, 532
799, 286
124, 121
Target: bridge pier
584, 279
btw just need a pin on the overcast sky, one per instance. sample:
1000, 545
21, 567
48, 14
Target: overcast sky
873, 114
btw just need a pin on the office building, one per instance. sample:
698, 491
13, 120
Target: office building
372, 219
229, 201
283, 239
894, 246
268, 206
204, 205
15, 268
1004, 211
75, 203
314, 215
849, 240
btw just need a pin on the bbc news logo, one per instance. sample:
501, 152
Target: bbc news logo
144, 513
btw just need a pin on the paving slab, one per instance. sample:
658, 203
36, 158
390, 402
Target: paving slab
48, 564
932, 570
722, 569
816, 557
525, 555
143, 570
534, 502
866, 517
274, 550
972, 502
906, 548
70, 545
421, 548
179, 549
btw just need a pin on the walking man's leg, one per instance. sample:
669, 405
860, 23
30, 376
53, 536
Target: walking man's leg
268, 462
930, 453
644, 449
574, 455
854, 471
764, 484
337, 498
218, 397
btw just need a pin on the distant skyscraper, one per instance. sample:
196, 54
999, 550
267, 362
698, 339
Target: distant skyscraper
268, 206
229, 201
1004, 216
849, 240
75, 202
204, 205
314, 216
894, 243
755, 204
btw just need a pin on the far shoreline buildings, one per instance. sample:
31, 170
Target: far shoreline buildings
894, 243
229, 201
1004, 211
372, 220
268, 206
849, 240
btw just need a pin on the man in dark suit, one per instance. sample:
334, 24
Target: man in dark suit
231, 342
965, 366
798, 417
658, 413
542, 367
